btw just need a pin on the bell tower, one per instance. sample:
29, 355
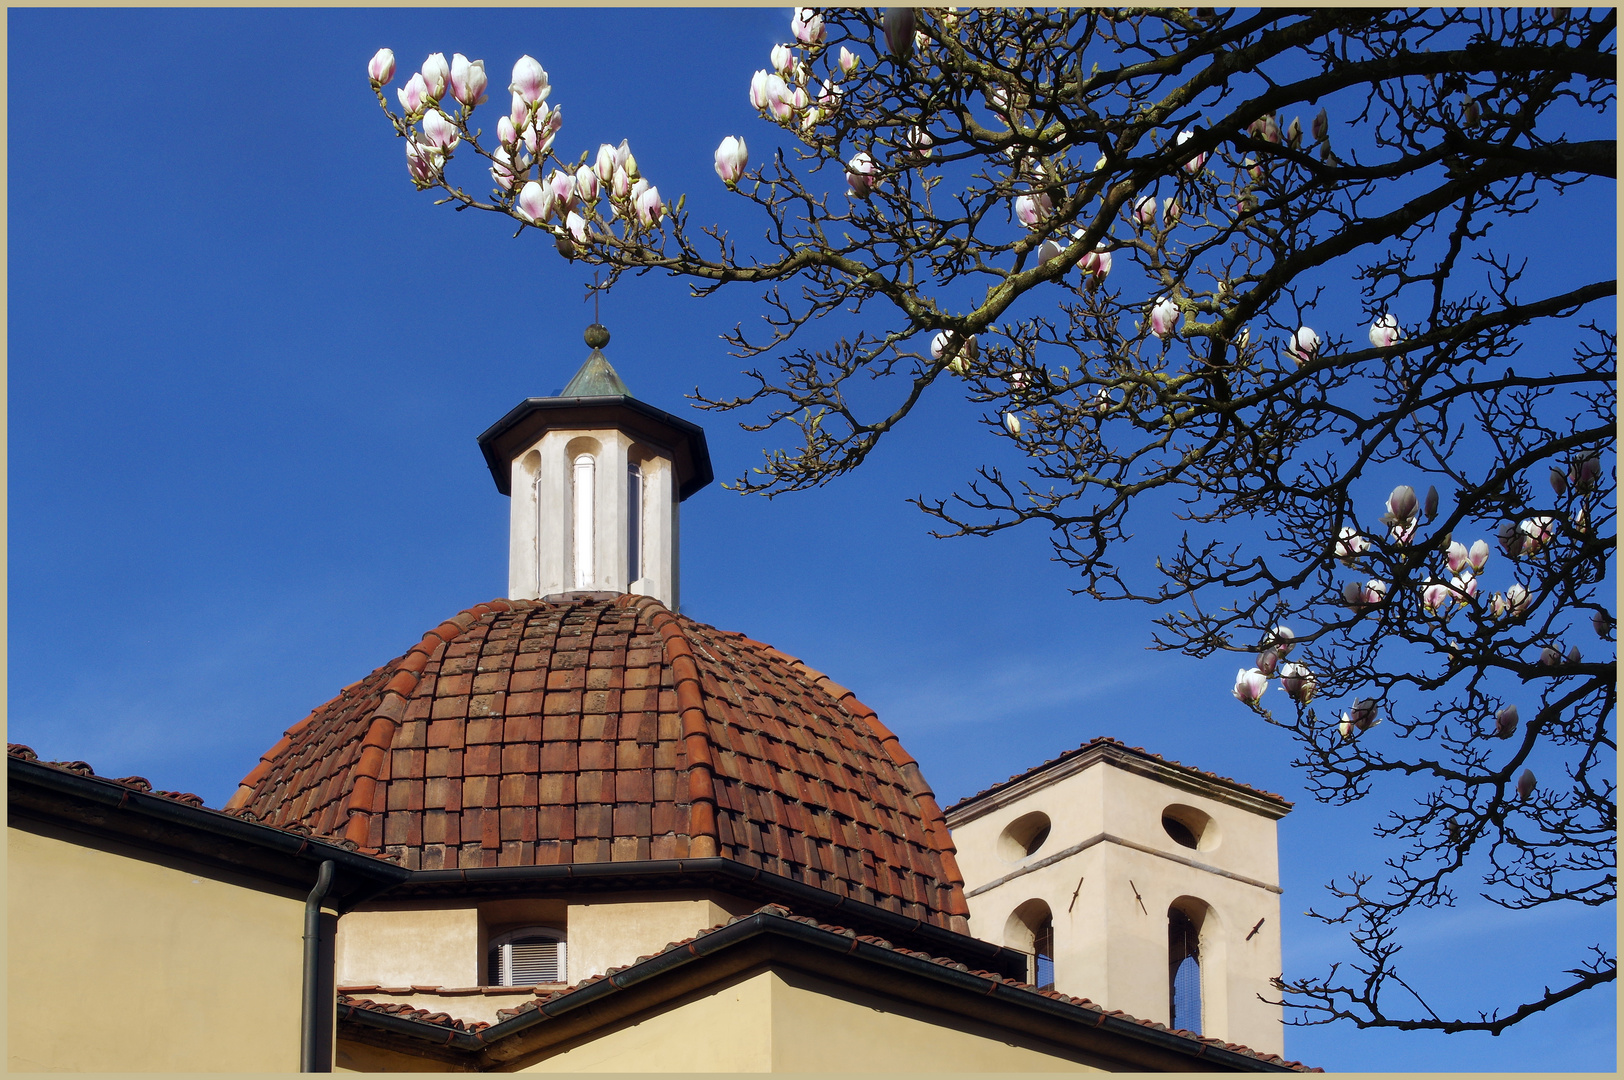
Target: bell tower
1136, 882
595, 478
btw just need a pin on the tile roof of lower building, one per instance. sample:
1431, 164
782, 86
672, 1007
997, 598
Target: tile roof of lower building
1195, 1044
1138, 751
603, 729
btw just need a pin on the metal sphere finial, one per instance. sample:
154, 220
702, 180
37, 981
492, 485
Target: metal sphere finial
597, 336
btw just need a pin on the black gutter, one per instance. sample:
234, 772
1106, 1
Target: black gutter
311, 1004
44, 791
798, 895
762, 922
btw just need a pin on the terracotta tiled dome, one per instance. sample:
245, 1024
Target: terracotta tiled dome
609, 729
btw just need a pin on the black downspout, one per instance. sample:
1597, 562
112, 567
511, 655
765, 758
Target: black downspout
310, 1013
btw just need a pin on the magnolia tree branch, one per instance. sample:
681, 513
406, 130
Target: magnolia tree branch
1148, 244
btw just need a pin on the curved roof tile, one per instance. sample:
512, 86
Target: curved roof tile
606, 729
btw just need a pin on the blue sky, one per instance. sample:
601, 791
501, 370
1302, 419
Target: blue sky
248, 363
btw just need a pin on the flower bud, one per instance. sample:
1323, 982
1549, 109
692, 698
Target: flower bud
731, 159
1574, 655
1294, 134
1478, 556
529, 81
422, 162
1525, 784
586, 184
1505, 722
1281, 639
1586, 470
860, 176
435, 73
501, 168
604, 164
1364, 714
1472, 113
439, 131
783, 60
899, 31
1536, 532
1047, 251
1303, 346
576, 224
1031, 209
1322, 126
381, 68
1401, 504
807, 26
648, 206
506, 134
1012, 424
1194, 165
1349, 544
1163, 317
1435, 595
1375, 592
1144, 211
536, 202
1171, 212
848, 61
1518, 598
1550, 656
413, 94
1267, 661
919, 141
468, 80
1429, 505
1298, 683
1511, 539
1353, 595
941, 344
1603, 624
1384, 332
1456, 556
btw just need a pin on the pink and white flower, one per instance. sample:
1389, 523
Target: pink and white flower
381, 68
648, 206
1298, 683
468, 80
413, 94
1518, 599
530, 81
783, 59
1031, 209
435, 74
1536, 533
1384, 332
1047, 251
1144, 211
1479, 555
848, 61
576, 224
1012, 423
1194, 165
1350, 543
1250, 685
860, 176
731, 158
1303, 346
439, 131
1097, 263
586, 184
1163, 317
943, 341
807, 26
422, 162
536, 202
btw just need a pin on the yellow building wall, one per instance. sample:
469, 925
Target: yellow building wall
118, 964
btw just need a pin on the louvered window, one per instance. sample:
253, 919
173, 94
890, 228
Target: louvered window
526, 958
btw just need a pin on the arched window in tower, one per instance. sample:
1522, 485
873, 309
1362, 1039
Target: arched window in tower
634, 522
1184, 970
581, 506
1031, 930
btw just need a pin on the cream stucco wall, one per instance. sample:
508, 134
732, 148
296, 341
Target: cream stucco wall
410, 946
794, 1022
120, 964
606, 932
1110, 900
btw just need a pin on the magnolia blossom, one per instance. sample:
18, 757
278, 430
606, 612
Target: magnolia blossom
1375, 592
586, 184
506, 134
776, 97
1303, 346
1435, 595
1047, 251
468, 80
562, 185
381, 68
1384, 332
860, 176
1401, 506
1536, 532
1163, 317
1294, 133
501, 167
439, 131
1171, 212
919, 141
1505, 722
530, 81
1525, 782
1602, 623
1249, 685
435, 74
1511, 539
413, 94
536, 202
1361, 718
731, 158
940, 344
848, 61
422, 161
648, 206
1144, 211
1298, 683
783, 59
576, 224
543, 130
1456, 556
1280, 639
1585, 470
1194, 165
1322, 126
1267, 660
1031, 209
1429, 505
1096, 264
1479, 555
807, 26
1349, 544
1518, 598
1100, 400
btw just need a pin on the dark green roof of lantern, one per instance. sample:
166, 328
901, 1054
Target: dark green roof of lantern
596, 379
